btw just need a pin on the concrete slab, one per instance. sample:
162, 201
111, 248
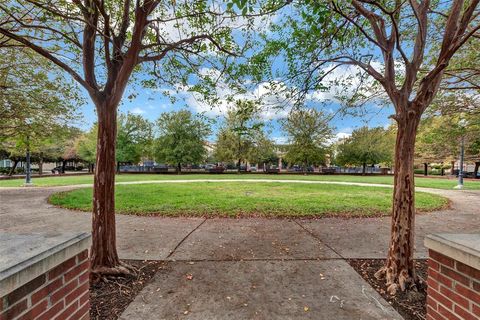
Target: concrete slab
249, 239
326, 289
26, 211
352, 238
152, 238
369, 237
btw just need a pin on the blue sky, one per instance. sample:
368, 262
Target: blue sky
150, 104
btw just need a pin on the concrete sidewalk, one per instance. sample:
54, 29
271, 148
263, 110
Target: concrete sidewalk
259, 289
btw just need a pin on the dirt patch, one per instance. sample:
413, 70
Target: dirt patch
410, 305
109, 298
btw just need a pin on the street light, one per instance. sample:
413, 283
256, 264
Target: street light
28, 176
463, 124
28, 171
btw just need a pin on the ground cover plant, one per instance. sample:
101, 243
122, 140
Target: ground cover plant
235, 199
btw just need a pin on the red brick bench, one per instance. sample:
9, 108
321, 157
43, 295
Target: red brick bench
44, 277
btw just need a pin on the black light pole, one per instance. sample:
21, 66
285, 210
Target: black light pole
463, 124
460, 170
28, 176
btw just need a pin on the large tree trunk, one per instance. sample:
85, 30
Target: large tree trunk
452, 170
475, 171
399, 270
364, 168
179, 168
104, 259
64, 164
425, 169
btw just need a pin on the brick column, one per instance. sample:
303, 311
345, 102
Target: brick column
453, 277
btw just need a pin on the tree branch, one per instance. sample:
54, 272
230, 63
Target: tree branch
50, 57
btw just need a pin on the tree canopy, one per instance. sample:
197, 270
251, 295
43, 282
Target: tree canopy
240, 134
181, 138
366, 146
308, 132
134, 138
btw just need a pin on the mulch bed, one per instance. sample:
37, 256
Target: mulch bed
410, 305
108, 299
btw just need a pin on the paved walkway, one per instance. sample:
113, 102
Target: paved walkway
247, 268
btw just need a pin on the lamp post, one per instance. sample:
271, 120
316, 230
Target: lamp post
28, 172
28, 169
460, 170
462, 124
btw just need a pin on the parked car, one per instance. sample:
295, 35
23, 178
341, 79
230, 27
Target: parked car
160, 168
273, 169
216, 169
59, 169
209, 166
330, 170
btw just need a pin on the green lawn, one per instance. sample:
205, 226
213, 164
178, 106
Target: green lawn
235, 199
437, 183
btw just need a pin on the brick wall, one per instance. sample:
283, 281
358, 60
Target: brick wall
60, 293
453, 289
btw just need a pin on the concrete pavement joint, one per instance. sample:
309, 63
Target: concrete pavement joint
248, 259
185, 238
319, 240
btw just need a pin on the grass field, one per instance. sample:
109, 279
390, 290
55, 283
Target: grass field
234, 199
437, 183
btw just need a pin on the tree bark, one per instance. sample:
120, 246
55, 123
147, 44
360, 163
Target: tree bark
399, 270
40, 166
104, 259
179, 168
452, 170
64, 164
425, 169
12, 169
475, 171
364, 169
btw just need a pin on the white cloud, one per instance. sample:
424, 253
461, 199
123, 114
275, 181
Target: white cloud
137, 110
280, 140
174, 29
346, 81
342, 135
271, 98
